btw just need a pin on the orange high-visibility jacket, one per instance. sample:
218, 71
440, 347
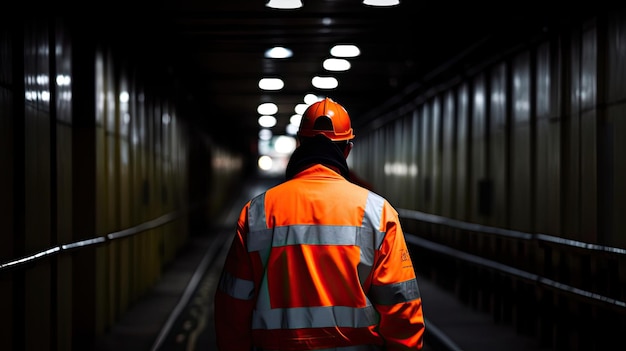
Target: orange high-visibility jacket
318, 263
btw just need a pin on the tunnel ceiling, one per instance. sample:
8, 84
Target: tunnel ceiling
211, 52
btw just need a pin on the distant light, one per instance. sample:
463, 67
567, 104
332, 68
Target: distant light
300, 108
295, 119
381, 2
334, 64
284, 144
265, 134
271, 83
292, 129
324, 82
284, 4
267, 121
265, 162
345, 50
278, 52
267, 108
312, 98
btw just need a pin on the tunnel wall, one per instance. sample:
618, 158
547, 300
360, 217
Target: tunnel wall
100, 175
528, 140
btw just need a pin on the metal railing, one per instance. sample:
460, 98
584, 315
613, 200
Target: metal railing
505, 269
92, 242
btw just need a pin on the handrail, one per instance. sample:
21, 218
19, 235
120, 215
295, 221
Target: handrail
457, 254
435, 219
55, 250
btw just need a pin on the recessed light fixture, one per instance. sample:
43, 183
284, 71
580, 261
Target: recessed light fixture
292, 129
295, 119
271, 83
345, 50
335, 64
285, 144
267, 108
381, 2
325, 82
312, 98
284, 4
267, 121
300, 108
278, 52
265, 134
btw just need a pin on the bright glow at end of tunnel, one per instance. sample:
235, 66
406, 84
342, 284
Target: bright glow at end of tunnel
265, 163
285, 144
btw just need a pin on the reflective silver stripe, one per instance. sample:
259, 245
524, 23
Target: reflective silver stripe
263, 241
371, 225
256, 213
367, 237
308, 235
373, 214
394, 293
260, 239
314, 317
235, 287
264, 237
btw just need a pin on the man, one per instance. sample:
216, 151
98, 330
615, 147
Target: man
318, 262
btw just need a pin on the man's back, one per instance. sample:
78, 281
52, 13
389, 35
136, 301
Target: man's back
319, 262
318, 196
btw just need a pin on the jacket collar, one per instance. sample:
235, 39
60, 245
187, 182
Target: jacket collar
319, 150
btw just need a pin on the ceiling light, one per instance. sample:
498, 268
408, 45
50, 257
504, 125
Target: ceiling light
381, 2
292, 129
311, 98
334, 64
265, 134
300, 108
324, 82
285, 144
267, 121
267, 108
345, 50
271, 84
284, 4
295, 119
278, 52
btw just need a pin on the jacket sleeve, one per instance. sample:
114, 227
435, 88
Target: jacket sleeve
394, 290
234, 297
